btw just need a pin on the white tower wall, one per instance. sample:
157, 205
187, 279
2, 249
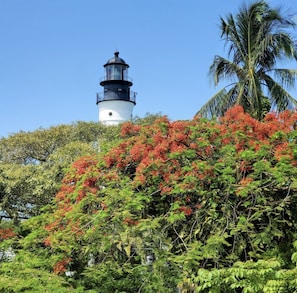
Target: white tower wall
114, 112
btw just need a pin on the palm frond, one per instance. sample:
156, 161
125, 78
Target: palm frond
222, 68
279, 97
219, 103
286, 77
237, 49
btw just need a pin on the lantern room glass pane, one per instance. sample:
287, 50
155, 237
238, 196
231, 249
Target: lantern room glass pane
125, 73
116, 72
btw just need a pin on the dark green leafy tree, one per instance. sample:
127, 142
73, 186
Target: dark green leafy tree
258, 39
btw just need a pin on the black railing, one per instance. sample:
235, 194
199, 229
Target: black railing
133, 96
100, 97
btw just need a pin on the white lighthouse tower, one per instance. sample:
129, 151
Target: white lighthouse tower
116, 103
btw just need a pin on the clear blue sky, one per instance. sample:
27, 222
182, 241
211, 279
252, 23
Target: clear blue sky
52, 54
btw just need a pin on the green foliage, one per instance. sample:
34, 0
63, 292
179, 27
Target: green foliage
261, 276
33, 164
214, 203
148, 119
24, 275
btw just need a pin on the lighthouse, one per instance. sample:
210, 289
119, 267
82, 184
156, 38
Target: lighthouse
117, 101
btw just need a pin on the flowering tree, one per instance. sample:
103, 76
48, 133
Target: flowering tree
213, 204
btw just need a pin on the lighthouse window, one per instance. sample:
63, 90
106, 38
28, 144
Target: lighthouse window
125, 73
114, 72
109, 72
117, 72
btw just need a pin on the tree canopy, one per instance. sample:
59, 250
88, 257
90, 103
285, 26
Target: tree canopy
34, 163
212, 203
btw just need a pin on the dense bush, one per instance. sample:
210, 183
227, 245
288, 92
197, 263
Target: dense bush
213, 202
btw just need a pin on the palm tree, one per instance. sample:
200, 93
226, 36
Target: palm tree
258, 38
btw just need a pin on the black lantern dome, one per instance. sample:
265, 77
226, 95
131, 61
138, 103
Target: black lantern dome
116, 60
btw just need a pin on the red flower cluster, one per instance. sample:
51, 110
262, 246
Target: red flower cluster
171, 162
6, 233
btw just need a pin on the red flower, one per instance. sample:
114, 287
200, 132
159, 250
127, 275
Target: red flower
186, 210
6, 233
60, 266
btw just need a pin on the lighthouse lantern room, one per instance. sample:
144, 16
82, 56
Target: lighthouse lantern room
116, 103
